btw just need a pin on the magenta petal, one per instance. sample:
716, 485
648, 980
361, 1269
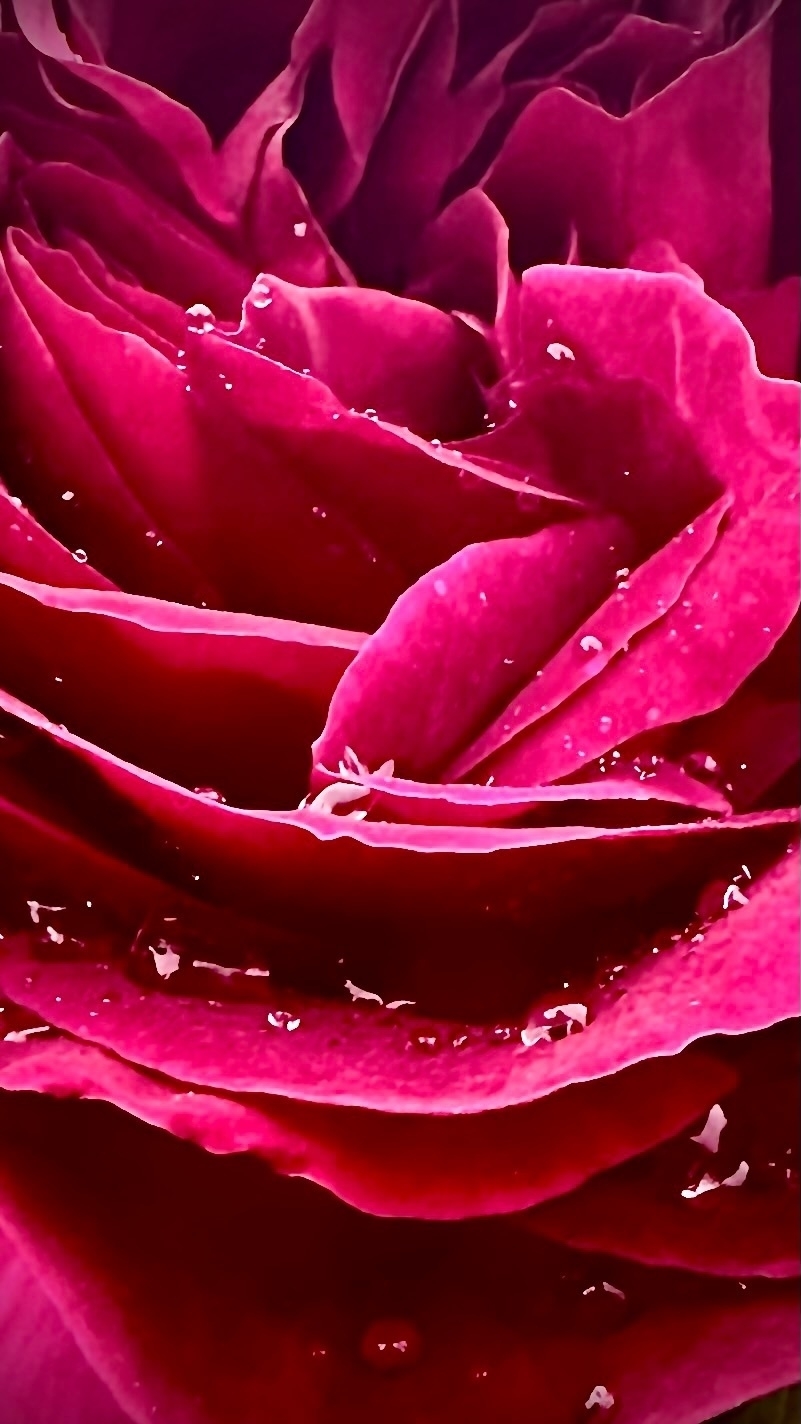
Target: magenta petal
463, 639
58, 450
772, 316
43, 1374
344, 1056
468, 804
149, 1292
639, 601
402, 359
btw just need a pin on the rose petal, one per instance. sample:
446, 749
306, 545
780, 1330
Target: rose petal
147, 1288
45, 1376
29, 551
510, 604
691, 166
170, 683
404, 360
344, 1056
394, 1164
56, 444
639, 1212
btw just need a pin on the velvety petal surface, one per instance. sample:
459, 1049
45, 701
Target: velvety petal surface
147, 1289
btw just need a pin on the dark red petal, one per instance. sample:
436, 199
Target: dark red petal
149, 1249
30, 552
179, 690
772, 316
640, 1211
391, 1164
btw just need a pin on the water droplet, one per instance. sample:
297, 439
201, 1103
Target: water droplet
652, 715
299, 229
709, 1136
391, 1344
68, 495
601, 1397
200, 318
560, 352
513, 405
605, 723
209, 793
279, 1018
80, 556
590, 644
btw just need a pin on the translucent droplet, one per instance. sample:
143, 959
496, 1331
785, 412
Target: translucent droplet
605, 723
80, 556
299, 229
590, 644
652, 715
559, 352
391, 1344
68, 495
279, 1018
200, 319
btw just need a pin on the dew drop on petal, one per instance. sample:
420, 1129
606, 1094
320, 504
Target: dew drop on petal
709, 1136
200, 318
601, 1397
279, 1018
590, 644
559, 352
299, 229
80, 556
391, 1344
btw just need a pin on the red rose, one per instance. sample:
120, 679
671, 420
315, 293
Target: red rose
398, 680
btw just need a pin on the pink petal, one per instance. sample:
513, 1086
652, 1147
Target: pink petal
401, 1062
44, 1375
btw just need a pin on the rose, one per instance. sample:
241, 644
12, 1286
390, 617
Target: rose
627, 492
